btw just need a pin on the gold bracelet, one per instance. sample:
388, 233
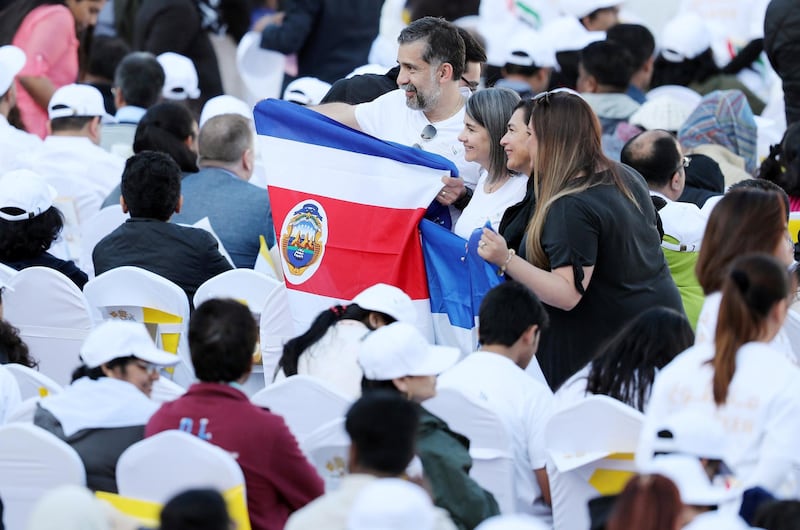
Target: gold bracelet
504, 266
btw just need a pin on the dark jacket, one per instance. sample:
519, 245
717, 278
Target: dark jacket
446, 462
782, 44
174, 26
45, 259
330, 37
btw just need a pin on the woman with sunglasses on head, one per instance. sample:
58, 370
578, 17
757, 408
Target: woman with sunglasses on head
591, 251
740, 379
107, 406
485, 121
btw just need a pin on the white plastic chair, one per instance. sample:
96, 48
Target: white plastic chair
33, 462
590, 447
133, 293
53, 318
305, 402
24, 412
252, 289
6, 273
328, 449
276, 327
165, 390
96, 228
32, 383
490, 444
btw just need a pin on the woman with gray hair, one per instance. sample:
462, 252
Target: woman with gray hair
487, 114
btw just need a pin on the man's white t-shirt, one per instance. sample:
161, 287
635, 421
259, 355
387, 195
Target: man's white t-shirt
389, 118
522, 404
490, 206
15, 143
759, 416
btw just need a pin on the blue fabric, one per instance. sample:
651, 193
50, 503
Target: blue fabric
458, 278
238, 211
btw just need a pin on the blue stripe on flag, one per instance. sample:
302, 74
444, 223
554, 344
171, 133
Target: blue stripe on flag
290, 121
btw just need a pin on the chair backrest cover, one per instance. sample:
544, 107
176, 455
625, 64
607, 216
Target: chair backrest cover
96, 228
53, 317
24, 412
590, 447
327, 448
133, 293
490, 443
32, 462
32, 383
276, 328
305, 402
6, 273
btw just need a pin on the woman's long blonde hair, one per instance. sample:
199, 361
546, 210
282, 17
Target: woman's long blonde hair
569, 160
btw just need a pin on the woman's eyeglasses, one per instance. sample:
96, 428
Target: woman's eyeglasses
471, 85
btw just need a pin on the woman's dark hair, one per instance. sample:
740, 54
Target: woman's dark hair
97, 372
12, 16
686, 72
782, 166
195, 509
12, 347
752, 287
625, 367
28, 239
295, 347
165, 128
368, 385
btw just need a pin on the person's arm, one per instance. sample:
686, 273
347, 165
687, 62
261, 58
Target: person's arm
341, 112
40, 88
555, 288
544, 485
290, 35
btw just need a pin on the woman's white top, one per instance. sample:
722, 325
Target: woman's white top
490, 206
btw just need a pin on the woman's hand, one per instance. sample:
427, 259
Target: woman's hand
493, 248
452, 190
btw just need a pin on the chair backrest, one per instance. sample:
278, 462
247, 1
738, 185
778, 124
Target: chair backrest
133, 293
24, 412
32, 383
276, 328
305, 402
590, 447
96, 228
165, 390
32, 462
53, 317
327, 448
6, 273
490, 443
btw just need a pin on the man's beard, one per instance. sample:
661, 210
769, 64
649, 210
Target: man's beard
419, 101
15, 118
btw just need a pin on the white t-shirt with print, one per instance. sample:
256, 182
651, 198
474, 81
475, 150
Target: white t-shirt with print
490, 206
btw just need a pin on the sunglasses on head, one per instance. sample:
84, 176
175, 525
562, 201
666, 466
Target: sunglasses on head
545, 96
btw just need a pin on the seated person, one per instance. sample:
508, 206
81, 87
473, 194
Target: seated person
278, 478
151, 192
106, 407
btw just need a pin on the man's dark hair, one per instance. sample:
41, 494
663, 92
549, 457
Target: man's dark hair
474, 49
70, 123
444, 43
165, 127
105, 54
637, 39
383, 427
507, 311
140, 78
28, 239
195, 509
609, 63
151, 185
654, 154
222, 338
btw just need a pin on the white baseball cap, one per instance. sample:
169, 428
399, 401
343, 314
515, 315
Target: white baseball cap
692, 433
306, 91
665, 112
530, 48
515, 521
582, 8
76, 101
113, 339
691, 479
400, 350
224, 104
388, 299
392, 504
12, 59
180, 77
684, 37
26, 190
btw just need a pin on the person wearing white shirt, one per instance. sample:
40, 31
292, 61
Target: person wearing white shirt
14, 140
487, 113
511, 320
740, 379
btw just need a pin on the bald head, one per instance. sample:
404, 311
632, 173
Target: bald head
227, 141
657, 156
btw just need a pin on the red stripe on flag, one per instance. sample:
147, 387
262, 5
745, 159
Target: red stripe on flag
366, 245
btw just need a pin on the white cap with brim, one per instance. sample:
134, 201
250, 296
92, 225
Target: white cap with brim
515, 521
690, 432
306, 91
12, 60
568, 34
180, 77
114, 339
392, 504
691, 479
582, 8
77, 101
224, 104
27, 191
529, 48
684, 37
388, 299
400, 350
665, 112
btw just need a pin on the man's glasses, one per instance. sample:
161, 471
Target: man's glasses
428, 133
471, 85
684, 163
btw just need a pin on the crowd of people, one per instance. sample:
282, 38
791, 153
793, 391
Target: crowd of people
636, 192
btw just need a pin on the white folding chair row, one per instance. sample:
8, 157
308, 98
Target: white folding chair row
32, 383
328, 450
